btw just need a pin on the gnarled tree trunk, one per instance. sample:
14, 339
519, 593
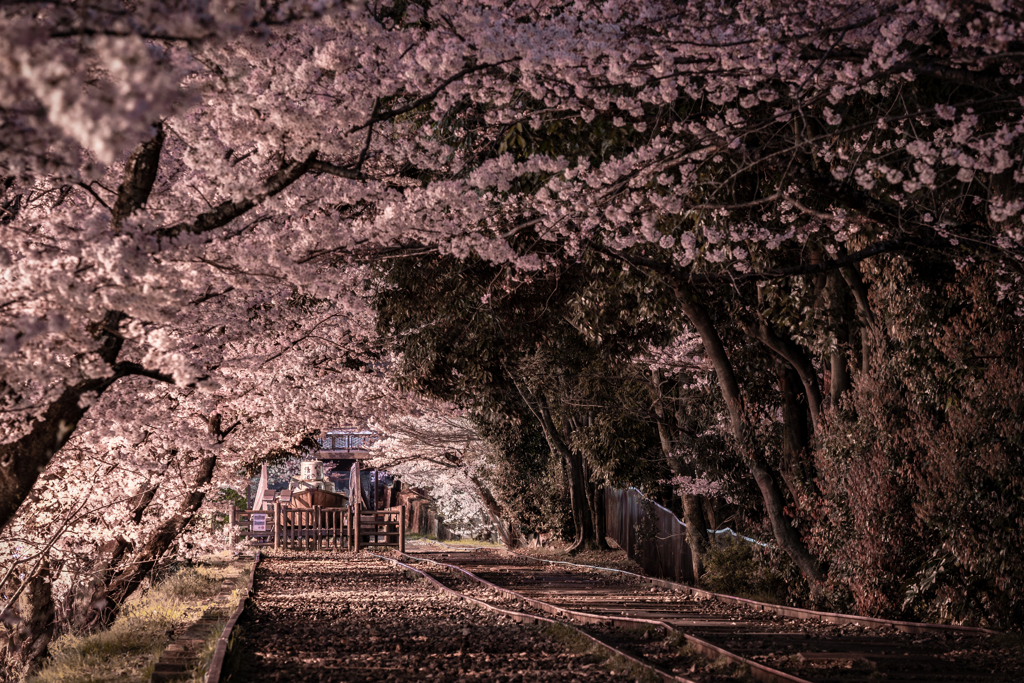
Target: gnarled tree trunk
23, 460
128, 580
91, 601
37, 612
585, 536
785, 535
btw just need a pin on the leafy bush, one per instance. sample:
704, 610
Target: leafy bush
922, 471
738, 567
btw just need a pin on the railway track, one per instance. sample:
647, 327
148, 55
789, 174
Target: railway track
329, 617
667, 626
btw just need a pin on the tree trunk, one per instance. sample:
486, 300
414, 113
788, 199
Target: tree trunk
785, 535
840, 375
795, 432
838, 365
693, 515
22, 461
129, 580
868, 324
600, 516
791, 352
711, 510
582, 519
509, 536
696, 532
91, 600
36, 631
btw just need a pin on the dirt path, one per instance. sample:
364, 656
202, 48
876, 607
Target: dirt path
328, 616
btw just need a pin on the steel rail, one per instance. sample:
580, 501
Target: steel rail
758, 671
913, 627
522, 617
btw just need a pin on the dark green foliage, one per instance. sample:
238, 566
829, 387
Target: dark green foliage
527, 482
488, 339
922, 472
738, 567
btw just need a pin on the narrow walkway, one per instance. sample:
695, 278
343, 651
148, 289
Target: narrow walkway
327, 616
181, 655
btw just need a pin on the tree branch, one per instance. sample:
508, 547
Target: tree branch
139, 175
229, 210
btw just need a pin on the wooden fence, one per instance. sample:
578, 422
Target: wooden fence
320, 528
381, 528
650, 534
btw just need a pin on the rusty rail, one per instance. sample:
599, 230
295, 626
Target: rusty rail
522, 617
758, 671
220, 651
783, 610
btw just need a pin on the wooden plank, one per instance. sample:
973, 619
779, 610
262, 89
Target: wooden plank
277, 523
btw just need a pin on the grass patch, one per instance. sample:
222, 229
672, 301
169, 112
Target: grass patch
460, 542
615, 558
468, 542
128, 650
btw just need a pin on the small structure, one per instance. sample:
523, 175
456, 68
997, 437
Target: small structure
312, 498
311, 477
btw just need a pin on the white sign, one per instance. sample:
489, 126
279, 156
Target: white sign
259, 522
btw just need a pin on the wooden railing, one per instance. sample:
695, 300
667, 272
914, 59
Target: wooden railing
320, 528
381, 528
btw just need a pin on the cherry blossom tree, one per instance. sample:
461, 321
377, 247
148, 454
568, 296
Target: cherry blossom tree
195, 192
444, 453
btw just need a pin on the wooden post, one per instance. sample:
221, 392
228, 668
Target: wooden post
401, 528
277, 523
348, 531
316, 527
231, 523
356, 529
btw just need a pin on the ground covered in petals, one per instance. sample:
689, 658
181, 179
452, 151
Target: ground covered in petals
345, 617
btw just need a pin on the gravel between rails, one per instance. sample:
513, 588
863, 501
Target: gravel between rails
812, 649
328, 616
646, 642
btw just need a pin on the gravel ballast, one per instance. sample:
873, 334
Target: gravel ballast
330, 616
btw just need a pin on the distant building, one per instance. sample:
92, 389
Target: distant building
346, 444
340, 449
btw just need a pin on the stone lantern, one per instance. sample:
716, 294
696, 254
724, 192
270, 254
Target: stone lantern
311, 476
